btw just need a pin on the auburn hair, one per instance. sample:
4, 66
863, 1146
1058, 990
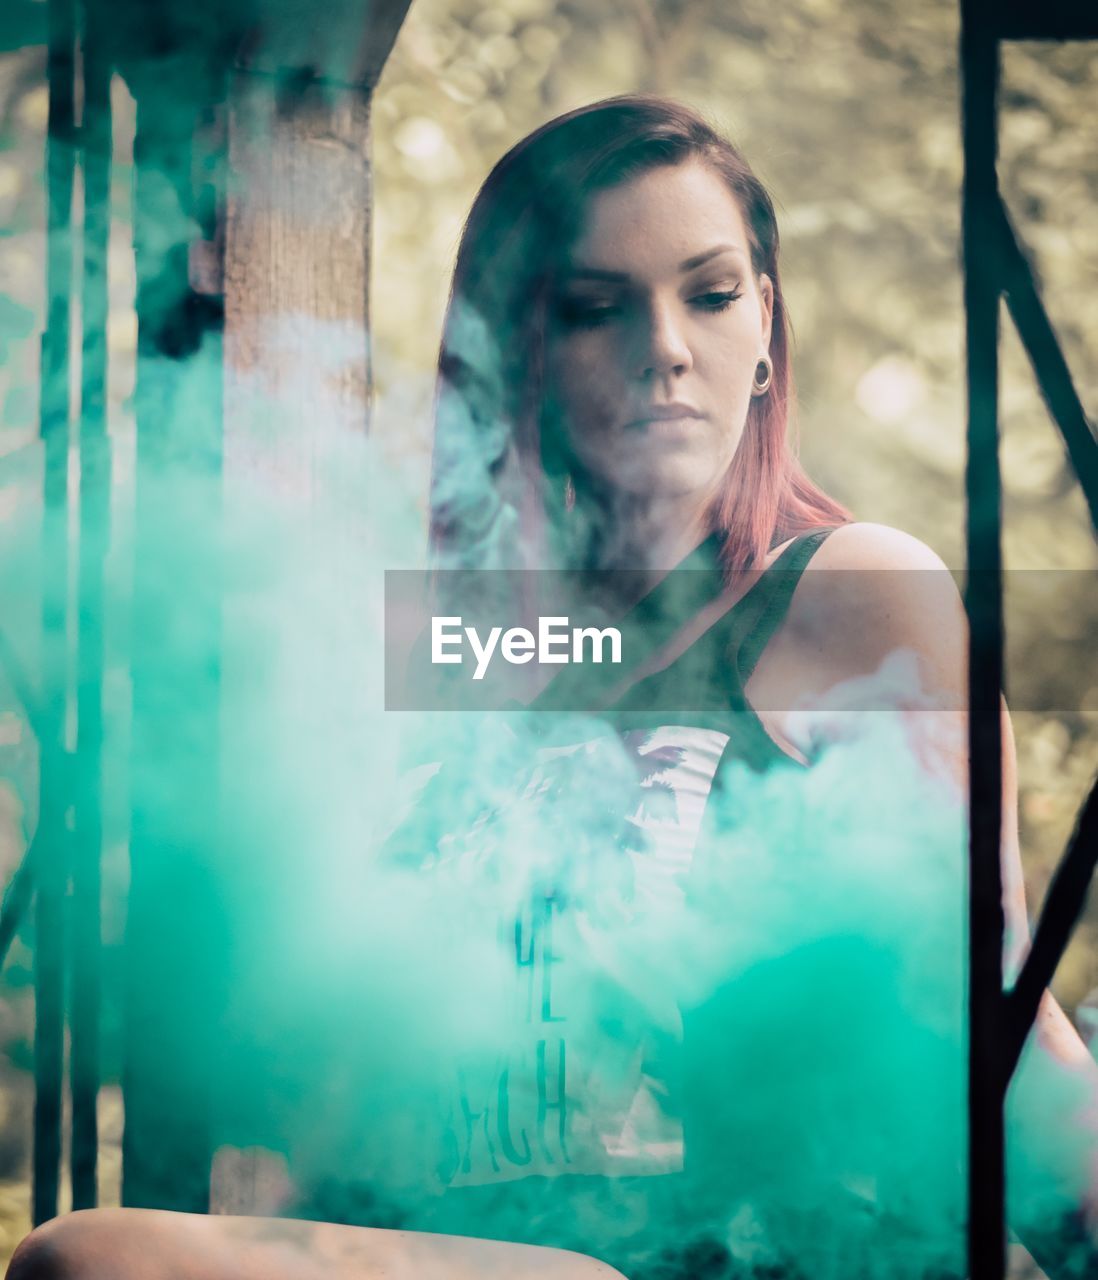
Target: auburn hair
495, 457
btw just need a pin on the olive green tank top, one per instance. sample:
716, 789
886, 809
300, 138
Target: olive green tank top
573, 1134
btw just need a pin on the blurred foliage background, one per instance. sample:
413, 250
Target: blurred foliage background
850, 112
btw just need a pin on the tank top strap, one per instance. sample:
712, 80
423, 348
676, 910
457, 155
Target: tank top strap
763, 609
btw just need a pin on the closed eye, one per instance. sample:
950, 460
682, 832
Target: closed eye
580, 313
584, 313
716, 299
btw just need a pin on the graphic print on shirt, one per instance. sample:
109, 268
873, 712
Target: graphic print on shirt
583, 1086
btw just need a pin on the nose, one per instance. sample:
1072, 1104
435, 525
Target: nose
662, 345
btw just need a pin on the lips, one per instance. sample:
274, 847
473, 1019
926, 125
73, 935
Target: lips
664, 413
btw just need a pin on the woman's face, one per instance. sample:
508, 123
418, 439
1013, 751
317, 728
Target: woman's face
655, 331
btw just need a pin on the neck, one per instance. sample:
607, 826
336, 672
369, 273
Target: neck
650, 534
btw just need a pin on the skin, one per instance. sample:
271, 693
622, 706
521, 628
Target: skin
647, 330
659, 306
639, 324
891, 593
149, 1244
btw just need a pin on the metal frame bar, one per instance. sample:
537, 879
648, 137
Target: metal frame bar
95, 469
1049, 20
54, 854
52, 838
1062, 908
19, 892
1050, 368
995, 266
983, 600
170, 972
17, 898
68, 843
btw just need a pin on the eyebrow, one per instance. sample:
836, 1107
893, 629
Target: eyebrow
701, 258
690, 264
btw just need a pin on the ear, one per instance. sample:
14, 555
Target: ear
766, 303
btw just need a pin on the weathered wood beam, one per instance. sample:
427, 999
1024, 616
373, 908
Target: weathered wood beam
298, 228
292, 222
297, 246
349, 48
297, 300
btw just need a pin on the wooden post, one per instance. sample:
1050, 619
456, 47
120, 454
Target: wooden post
297, 249
296, 353
297, 245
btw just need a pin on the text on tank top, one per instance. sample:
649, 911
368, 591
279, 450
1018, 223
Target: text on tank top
571, 1093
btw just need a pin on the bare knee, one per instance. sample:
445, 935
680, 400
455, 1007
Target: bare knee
48, 1253
92, 1244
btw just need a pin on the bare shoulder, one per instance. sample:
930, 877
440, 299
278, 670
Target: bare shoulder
870, 591
864, 545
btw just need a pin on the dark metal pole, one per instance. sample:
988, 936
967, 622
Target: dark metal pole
983, 600
52, 835
95, 465
17, 897
19, 892
175, 951
1064, 903
1050, 368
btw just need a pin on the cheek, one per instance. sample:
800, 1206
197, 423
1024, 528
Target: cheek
729, 366
738, 343
737, 381
578, 386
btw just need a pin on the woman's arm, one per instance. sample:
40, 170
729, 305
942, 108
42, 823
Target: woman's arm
149, 1244
889, 592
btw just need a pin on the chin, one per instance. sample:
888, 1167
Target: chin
672, 478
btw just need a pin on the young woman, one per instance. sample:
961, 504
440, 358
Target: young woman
614, 396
